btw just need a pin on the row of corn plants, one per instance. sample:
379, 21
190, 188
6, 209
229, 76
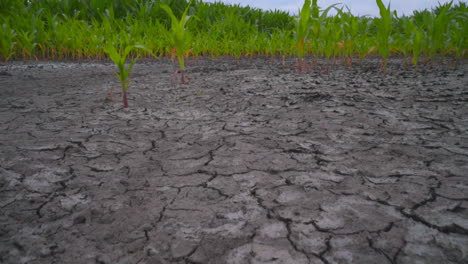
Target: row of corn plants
84, 29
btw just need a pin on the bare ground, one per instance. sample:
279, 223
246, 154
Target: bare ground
249, 163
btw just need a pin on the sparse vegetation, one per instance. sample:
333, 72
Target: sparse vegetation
179, 37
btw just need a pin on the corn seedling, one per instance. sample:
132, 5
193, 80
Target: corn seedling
384, 27
362, 45
318, 28
7, 41
438, 28
412, 41
458, 31
179, 37
119, 58
302, 31
350, 31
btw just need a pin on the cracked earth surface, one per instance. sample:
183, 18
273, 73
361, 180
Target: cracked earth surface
249, 163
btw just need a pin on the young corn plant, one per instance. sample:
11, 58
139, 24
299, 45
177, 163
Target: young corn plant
438, 29
363, 47
350, 30
458, 32
26, 39
179, 38
413, 38
318, 27
302, 31
384, 27
7, 41
123, 73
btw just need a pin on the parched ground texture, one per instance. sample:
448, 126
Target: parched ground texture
249, 163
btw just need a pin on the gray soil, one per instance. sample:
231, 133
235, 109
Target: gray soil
249, 163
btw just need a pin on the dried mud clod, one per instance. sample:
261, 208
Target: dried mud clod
253, 163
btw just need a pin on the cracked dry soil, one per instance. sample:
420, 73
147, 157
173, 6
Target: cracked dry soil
249, 163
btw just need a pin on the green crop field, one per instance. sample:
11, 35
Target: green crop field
82, 29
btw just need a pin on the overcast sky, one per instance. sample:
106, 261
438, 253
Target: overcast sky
358, 7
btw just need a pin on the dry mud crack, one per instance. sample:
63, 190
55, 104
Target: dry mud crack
249, 163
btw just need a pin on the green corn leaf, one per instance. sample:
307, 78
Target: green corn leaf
179, 37
119, 59
113, 54
302, 27
384, 24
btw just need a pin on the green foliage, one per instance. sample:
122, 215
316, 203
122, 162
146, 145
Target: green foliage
79, 29
303, 27
438, 27
384, 31
179, 37
411, 40
7, 41
119, 58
